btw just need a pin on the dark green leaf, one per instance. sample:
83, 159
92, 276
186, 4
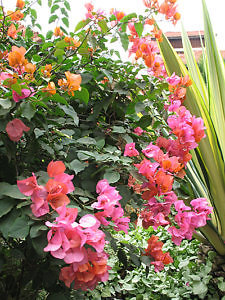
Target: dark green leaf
28, 111
112, 176
19, 228
6, 204
83, 95
77, 166
36, 230
69, 110
86, 141
10, 190
145, 121
33, 13
59, 99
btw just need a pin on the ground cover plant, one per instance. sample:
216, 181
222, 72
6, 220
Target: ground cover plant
88, 145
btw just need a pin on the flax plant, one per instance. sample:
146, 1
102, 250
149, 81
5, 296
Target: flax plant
206, 171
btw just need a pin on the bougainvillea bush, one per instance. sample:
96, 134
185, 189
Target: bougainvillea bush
89, 144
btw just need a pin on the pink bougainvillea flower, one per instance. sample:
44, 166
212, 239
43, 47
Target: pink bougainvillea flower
27, 186
15, 129
138, 131
25, 93
130, 150
173, 79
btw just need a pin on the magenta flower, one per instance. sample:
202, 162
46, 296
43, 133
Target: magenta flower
130, 150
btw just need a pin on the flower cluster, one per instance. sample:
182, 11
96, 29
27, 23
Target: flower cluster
166, 7
154, 251
53, 193
68, 240
108, 203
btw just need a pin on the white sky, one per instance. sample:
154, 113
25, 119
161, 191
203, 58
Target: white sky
191, 12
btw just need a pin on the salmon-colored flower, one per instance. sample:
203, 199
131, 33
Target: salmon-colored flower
12, 32
20, 4
15, 129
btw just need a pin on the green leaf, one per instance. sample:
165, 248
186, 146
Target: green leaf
33, 13
61, 44
59, 52
10, 190
39, 2
65, 21
139, 28
54, 8
103, 25
59, 99
124, 40
39, 243
118, 129
135, 259
49, 35
199, 288
145, 121
49, 3
17, 88
112, 176
19, 228
82, 24
86, 141
5, 103
69, 110
67, 5
77, 166
36, 230
52, 19
28, 111
58, 296
7, 221
6, 204
128, 17
47, 45
108, 74
83, 95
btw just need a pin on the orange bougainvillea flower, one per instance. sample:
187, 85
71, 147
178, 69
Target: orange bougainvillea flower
55, 168
47, 70
50, 89
58, 32
20, 4
15, 16
30, 68
12, 32
16, 56
73, 44
72, 83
